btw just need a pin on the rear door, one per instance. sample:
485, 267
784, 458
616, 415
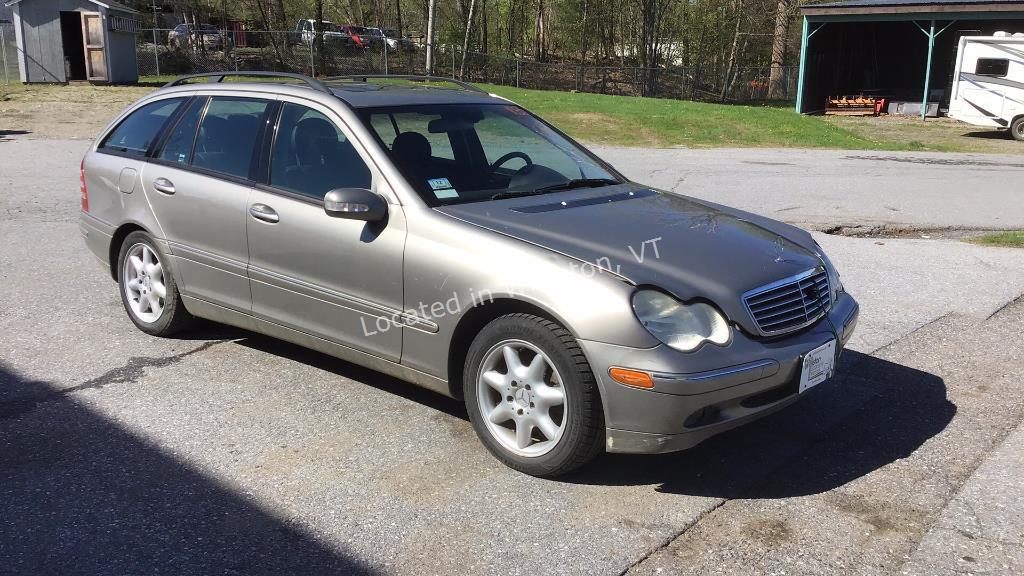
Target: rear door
338, 279
198, 183
113, 172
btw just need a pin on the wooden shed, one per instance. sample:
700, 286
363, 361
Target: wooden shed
64, 40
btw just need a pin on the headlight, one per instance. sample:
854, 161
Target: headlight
833, 275
680, 326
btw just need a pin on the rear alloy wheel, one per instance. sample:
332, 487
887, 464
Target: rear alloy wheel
532, 397
1017, 128
148, 292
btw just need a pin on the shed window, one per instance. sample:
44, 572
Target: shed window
992, 67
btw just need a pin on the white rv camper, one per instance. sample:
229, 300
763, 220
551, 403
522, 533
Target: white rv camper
988, 85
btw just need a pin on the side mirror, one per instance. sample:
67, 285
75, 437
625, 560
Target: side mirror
355, 204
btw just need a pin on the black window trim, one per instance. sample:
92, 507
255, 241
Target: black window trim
249, 180
270, 139
171, 126
159, 134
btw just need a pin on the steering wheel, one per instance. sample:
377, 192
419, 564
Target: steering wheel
497, 163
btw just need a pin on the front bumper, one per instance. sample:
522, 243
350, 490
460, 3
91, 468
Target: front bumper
697, 395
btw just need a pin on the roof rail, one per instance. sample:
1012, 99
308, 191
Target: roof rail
219, 77
412, 77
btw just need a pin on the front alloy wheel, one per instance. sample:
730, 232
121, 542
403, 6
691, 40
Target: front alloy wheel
532, 397
521, 397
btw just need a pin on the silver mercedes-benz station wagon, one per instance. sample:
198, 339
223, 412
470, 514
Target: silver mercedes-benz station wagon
431, 231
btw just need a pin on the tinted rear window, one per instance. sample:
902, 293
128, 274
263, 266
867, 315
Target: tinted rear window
136, 133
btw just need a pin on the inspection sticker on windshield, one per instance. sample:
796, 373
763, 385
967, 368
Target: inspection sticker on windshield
818, 365
439, 183
444, 194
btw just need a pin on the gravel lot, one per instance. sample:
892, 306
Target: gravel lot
228, 452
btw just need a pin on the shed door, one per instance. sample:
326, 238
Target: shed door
95, 55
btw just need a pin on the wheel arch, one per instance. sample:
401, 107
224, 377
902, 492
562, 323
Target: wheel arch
116, 240
474, 319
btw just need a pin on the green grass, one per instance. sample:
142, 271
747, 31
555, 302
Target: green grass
631, 121
1013, 239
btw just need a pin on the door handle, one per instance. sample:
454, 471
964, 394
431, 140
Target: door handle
163, 185
264, 212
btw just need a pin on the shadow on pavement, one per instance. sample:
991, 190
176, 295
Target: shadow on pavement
81, 494
871, 414
355, 372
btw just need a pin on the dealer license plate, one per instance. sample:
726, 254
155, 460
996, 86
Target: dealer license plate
818, 365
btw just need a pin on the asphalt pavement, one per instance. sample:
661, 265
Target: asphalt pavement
228, 452
820, 189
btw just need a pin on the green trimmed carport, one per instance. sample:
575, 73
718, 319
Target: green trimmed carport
899, 49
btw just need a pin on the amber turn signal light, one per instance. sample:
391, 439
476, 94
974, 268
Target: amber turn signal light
634, 378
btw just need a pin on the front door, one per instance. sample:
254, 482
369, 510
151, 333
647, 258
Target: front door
337, 279
198, 185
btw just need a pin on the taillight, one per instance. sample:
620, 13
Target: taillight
85, 193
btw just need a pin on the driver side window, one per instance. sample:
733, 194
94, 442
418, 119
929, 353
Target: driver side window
311, 156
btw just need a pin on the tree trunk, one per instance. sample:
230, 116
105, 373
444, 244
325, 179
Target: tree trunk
318, 37
776, 84
431, 10
583, 34
732, 53
465, 39
538, 32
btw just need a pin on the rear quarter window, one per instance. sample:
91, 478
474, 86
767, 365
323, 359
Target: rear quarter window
136, 133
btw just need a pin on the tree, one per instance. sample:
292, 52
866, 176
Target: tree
776, 85
465, 39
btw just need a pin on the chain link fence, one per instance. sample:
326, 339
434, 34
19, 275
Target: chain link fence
745, 85
9, 54
163, 53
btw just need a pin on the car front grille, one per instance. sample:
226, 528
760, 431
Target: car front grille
789, 304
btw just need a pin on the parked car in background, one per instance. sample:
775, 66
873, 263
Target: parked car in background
395, 41
305, 33
361, 36
188, 35
451, 238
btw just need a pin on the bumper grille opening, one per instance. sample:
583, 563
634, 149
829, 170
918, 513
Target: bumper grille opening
703, 417
773, 394
789, 304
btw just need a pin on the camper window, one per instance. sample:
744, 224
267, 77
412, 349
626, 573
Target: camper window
992, 67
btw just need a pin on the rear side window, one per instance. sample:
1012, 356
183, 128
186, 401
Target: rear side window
136, 133
992, 67
228, 134
312, 157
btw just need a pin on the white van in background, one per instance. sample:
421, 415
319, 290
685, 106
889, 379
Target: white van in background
988, 85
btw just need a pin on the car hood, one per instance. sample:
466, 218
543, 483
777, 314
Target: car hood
690, 248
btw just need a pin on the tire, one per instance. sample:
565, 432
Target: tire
1017, 128
140, 287
561, 435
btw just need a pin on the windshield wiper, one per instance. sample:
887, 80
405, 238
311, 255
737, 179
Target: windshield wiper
567, 185
578, 183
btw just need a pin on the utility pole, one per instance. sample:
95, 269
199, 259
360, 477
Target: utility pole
156, 49
431, 10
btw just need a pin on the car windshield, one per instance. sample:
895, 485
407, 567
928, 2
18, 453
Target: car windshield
458, 153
